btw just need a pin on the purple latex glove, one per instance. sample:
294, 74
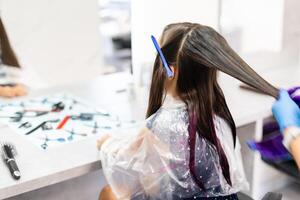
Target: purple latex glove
286, 111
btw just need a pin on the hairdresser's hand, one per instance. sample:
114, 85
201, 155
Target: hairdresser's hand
286, 111
102, 139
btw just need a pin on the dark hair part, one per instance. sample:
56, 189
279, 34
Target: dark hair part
198, 52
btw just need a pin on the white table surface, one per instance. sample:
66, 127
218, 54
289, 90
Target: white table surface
41, 168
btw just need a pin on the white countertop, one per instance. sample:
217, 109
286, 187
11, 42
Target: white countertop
40, 168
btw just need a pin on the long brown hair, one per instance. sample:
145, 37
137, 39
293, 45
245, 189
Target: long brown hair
198, 52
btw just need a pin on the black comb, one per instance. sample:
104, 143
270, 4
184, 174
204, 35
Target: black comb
8, 154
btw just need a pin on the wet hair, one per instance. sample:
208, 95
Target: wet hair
198, 52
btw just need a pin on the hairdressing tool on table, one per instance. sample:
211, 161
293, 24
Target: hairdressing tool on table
162, 58
72, 133
47, 126
88, 116
25, 125
8, 154
63, 122
56, 107
47, 139
60, 104
14, 118
41, 125
83, 116
96, 126
18, 116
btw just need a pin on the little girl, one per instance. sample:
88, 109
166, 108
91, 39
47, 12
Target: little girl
187, 148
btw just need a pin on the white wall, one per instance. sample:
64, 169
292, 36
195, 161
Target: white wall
291, 26
57, 38
261, 23
150, 17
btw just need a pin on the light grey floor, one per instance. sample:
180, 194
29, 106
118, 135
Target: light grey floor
291, 192
85, 187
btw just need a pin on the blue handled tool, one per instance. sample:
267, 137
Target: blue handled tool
162, 57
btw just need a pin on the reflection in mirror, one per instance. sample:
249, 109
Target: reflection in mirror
115, 31
56, 42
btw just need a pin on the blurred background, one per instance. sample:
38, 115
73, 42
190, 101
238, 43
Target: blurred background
59, 38
61, 42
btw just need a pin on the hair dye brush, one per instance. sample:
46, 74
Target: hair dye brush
8, 154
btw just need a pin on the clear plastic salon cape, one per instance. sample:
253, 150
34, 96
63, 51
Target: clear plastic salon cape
152, 162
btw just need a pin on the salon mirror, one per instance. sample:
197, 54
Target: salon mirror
65, 41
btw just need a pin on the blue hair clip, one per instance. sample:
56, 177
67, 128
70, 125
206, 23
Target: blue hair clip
162, 57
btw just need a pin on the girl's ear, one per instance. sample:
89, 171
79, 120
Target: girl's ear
173, 69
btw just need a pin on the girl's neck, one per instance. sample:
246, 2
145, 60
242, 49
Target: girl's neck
172, 90
174, 95
171, 85
172, 101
